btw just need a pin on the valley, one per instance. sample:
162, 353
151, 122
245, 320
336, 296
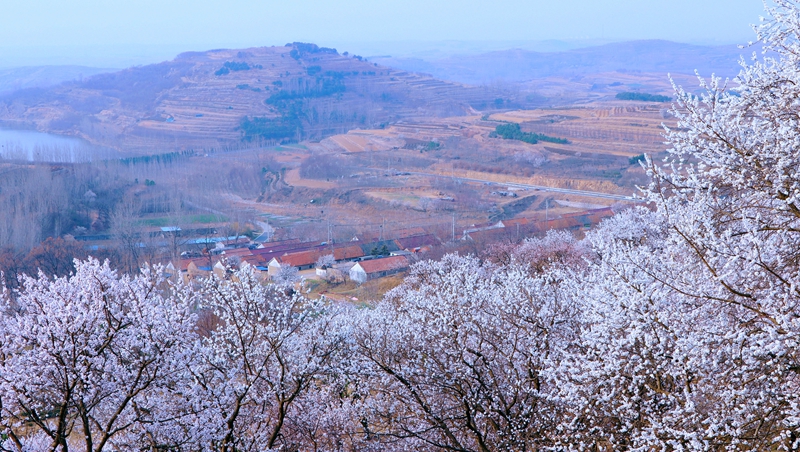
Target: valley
303, 143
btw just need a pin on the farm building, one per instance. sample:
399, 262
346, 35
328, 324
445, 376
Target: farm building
305, 260
377, 268
416, 242
483, 227
347, 253
302, 260
195, 268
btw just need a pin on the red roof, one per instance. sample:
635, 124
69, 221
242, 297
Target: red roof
299, 258
253, 260
267, 256
242, 252
516, 221
347, 252
409, 243
523, 226
384, 264
563, 223
308, 257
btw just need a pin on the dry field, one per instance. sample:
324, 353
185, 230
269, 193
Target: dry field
434, 172
608, 128
413, 173
603, 134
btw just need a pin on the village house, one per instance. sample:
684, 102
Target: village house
347, 253
417, 243
377, 268
482, 227
302, 260
195, 268
276, 249
306, 260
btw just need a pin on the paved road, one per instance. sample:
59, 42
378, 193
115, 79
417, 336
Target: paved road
568, 191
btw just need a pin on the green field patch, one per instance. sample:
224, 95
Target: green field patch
204, 218
512, 131
294, 147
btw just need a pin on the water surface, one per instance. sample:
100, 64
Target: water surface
45, 147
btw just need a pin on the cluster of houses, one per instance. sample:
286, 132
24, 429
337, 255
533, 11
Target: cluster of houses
356, 260
363, 261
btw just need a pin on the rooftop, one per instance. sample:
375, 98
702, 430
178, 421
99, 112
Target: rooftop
384, 264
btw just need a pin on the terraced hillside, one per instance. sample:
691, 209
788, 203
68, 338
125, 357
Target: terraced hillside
605, 141
219, 98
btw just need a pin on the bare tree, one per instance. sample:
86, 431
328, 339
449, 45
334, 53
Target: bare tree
127, 232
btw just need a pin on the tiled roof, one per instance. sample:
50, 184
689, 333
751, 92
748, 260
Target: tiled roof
253, 260
299, 258
241, 252
347, 252
269, 254
384, 264
516, 221
409, 243
309, 257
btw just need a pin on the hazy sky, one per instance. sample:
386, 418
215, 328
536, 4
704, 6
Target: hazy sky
134, 32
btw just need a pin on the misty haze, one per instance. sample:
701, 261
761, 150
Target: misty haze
388, 226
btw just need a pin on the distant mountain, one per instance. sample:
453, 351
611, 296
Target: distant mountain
13, 79
522, 65
436, 50
220, 98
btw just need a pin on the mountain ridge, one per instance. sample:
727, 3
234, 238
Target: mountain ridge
519, 65
201, 99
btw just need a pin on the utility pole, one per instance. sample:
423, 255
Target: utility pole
382, 226
454, 228
329, 232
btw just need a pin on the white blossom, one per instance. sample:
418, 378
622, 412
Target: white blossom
95, 356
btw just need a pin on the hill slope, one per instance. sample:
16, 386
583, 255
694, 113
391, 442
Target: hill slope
219, 98
522, 65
